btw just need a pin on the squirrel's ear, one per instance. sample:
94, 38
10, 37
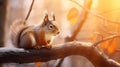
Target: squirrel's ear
46, 19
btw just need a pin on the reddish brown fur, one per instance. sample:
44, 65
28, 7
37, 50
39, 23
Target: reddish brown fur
40, 37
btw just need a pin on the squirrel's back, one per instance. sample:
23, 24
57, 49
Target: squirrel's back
16, 28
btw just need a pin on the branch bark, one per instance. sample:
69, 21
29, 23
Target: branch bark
60, 51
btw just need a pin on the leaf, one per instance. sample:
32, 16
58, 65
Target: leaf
104, 45
112, 47
109, 46
73, 15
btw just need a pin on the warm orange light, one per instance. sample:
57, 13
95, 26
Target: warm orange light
104, 45
38, 64
93, 37
112, 47
73, 15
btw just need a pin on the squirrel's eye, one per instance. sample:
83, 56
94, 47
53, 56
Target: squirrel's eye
50, 26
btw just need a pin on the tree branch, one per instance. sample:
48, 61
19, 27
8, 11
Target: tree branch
105, 39
30, 9
81, 20
98, 15
59, 51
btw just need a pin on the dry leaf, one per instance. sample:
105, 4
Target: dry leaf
73, 15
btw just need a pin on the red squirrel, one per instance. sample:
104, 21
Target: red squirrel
35, 37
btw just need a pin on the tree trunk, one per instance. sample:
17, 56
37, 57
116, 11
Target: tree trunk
3, 9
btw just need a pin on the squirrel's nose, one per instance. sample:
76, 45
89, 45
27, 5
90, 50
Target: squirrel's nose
58, 32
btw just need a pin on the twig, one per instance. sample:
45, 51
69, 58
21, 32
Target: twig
30, 9
81, 20
105, 39
97, 15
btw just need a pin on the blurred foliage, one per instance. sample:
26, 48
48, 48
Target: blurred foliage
73, 15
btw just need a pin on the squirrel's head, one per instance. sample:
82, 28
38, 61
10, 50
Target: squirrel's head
49, 25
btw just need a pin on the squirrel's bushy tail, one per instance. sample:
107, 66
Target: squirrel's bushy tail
16, 28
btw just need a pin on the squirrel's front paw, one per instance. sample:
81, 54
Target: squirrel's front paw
37, 47
49, 46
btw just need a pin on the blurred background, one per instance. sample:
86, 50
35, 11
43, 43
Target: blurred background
67, 15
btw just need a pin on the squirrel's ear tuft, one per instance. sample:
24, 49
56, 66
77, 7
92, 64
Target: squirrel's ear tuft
53, 17
46, 19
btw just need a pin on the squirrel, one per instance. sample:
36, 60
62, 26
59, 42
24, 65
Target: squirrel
25, 36
30, 36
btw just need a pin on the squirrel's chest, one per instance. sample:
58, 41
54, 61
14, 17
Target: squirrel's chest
42, 38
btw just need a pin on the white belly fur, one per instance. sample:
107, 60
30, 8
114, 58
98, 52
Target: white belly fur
49, 37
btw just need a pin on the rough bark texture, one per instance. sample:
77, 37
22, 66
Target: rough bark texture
59, 51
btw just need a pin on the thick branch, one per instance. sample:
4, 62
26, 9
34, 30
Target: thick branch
59, 51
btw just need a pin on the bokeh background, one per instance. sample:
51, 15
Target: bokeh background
103, 20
